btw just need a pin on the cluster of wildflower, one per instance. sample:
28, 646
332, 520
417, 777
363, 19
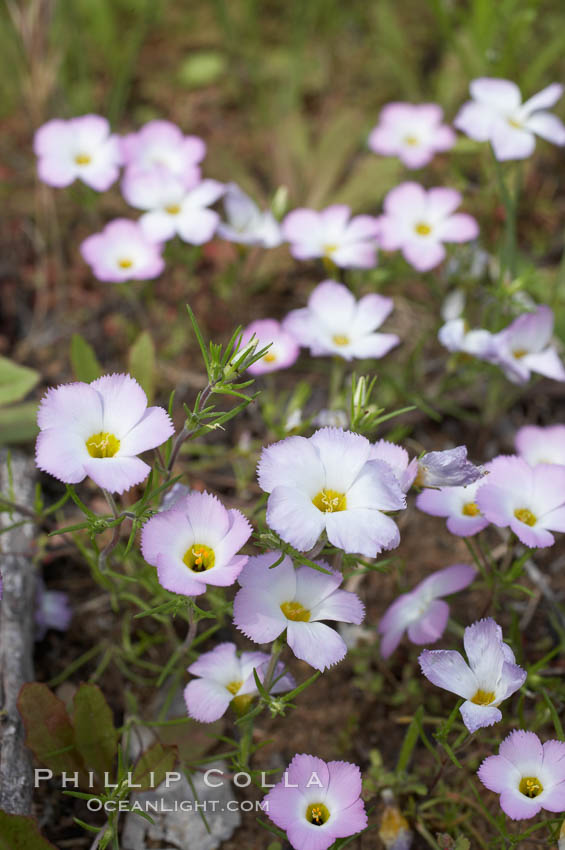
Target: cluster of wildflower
334, 490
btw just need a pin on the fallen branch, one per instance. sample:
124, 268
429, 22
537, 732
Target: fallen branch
17, 473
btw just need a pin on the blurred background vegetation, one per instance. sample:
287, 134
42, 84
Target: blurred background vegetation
284, 94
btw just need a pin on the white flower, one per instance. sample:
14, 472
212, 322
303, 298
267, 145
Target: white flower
329, 483
172, 208
335, 323
497, 115
246, 223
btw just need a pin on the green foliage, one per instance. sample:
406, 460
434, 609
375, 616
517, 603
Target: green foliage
18, 423
19, 832
142, 363
49, 731
15, 381
95, 736
84, 361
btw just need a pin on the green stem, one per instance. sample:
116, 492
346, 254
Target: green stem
510, 202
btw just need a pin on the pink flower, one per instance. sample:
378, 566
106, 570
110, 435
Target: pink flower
78, 148
531, 501
525, 346
422, 612
317, 802
418, 222
173, 207
333, 234
284, 349
541, 445
458, 504
412, 132
528, 775
98, 429
273, 599
497, 115
329, 482
195, 543
335, 323
226, 677
122, 252
490, 677
162, 145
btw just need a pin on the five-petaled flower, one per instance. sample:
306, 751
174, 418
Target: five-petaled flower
525, 346
334, 235
195, 543
490, 677
317, 802
173, 208
412, 132
417, 222
227, 678
335, 323
529, 500
161, 145
458, 505
422, 612
122, 252
328, 482
81, 148
98, 429
528, 775
497, 115
283, 351
275, 598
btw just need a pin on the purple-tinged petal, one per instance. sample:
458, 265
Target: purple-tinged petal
317, 644
447, 669
206, 700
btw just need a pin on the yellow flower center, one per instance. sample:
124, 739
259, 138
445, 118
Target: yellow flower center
125, 263
515, 123
530, 786
340, 339
410, 140
519, 353
317, 813
470, 509
234, 687
483, 697
199, 558
102, 444
173, 209
83, 159
329, 248
296, 612
423, 229
330, 501
269, 358
525, 516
